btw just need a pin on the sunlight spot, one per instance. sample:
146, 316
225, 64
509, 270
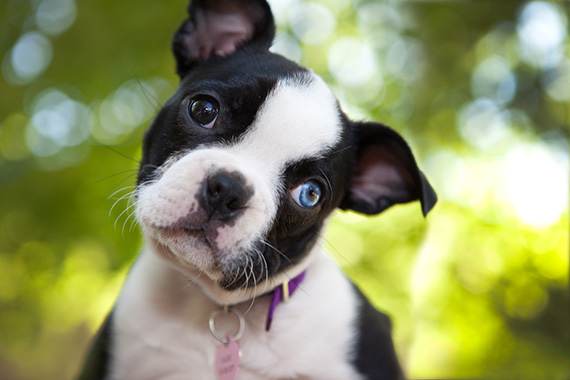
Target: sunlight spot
542, 33
483, 124
479, 269
56, 16
30, 56
312, 23
379, 19
123, 110
404, 59
551, 259
57, 122
448, 173
494, 79
128, 107
429, 270
557, 82
287, 46
282, 10
352, 62
536, 183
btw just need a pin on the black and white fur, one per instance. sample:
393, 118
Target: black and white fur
218, 203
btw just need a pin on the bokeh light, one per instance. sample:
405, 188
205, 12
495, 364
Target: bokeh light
312, 23
56, 16
30, 56
542, 32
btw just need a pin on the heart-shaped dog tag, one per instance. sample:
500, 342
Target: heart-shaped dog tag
227, 360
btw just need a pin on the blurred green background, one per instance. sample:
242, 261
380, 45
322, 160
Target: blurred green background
480, 89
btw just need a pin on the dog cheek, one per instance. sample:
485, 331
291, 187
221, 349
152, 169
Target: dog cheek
164, 210
169, 200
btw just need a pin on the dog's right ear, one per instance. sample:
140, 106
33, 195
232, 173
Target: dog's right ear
385, 172
220, 27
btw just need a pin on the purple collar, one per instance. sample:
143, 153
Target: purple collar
282, 294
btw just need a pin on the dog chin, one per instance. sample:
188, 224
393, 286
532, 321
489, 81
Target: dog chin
188, 252
192, 253
193, 258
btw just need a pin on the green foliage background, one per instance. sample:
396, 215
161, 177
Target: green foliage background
480, 89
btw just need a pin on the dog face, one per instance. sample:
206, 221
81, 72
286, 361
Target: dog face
243, 165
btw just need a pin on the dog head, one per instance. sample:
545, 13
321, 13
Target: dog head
243, 165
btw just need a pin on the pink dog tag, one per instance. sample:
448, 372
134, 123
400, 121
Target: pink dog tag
227, 360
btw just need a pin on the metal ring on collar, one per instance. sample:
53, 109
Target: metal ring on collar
239, 317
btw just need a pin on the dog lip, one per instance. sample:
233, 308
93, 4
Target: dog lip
193, 241
192, 246
186, 231
207, 232
202, 235
187, 267
226, 272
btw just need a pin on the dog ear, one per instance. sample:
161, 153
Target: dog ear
220, 27
384, 172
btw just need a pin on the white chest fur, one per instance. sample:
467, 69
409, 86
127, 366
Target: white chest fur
160, 328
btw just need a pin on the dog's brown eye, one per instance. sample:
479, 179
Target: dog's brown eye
204, 111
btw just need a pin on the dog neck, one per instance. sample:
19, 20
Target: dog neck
172, 294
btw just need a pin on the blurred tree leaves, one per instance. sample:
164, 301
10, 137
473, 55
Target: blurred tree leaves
479, 89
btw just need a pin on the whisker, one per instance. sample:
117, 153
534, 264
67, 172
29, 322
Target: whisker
342, 149
121, 214
248, 272
129, 195
121, 189
149, 166
278, 251
133, 222
329, 183
119, 153
236, 277
127, 178
254, 284
132, 171
266, 270
132, 209
150, 98
330, 246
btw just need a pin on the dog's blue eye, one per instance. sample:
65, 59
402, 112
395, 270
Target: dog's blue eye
204, 111
307, 195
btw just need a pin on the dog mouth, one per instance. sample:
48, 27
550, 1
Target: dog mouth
214, 221
193, 249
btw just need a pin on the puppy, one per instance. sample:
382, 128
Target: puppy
240, 172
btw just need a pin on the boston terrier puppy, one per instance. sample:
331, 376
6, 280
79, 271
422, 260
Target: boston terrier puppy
240, 172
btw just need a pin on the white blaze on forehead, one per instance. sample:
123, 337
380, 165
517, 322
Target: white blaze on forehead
299, 120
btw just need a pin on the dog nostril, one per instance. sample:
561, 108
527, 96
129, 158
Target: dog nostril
214, 189
221, 186
224, 195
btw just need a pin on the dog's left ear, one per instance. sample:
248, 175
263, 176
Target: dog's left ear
384, 172
220, 27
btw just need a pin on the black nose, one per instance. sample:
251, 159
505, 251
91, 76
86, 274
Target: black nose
225, 195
